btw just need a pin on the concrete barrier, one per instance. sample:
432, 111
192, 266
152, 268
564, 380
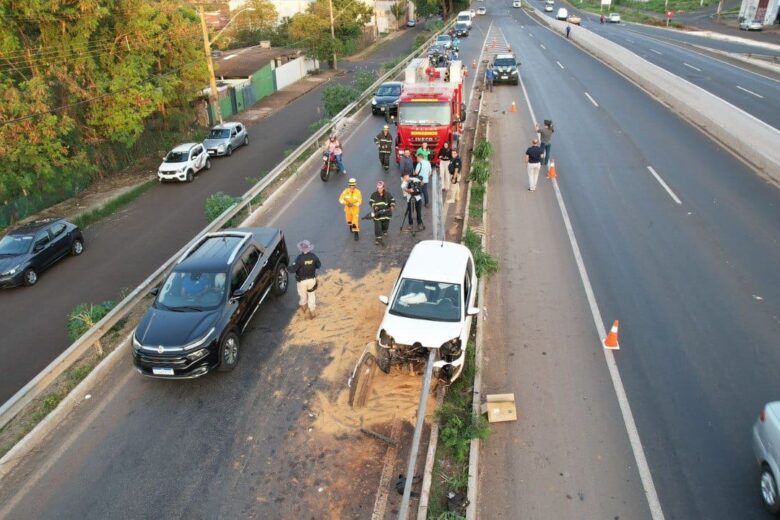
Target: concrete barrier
746, 136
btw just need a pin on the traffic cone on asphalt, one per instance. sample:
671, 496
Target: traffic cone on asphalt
514, 107
474, 64
611, 341
465, 73
551, 170
508, 48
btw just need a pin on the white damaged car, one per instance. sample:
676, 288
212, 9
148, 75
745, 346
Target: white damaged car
430, 307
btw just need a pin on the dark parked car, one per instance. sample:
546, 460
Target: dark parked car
386, 98
505, 69
31, 249
462, 29
206, 302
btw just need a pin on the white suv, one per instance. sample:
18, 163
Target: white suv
183, 162
431, 307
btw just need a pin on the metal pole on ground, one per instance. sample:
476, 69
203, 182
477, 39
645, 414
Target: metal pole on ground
404, 511
437, 222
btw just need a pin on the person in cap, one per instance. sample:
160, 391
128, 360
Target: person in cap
384, 142
382, 206
351, 199
305, 268
333, 147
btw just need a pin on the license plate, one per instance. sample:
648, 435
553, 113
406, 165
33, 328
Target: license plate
504, 77
383, 109
212, 152
162, 371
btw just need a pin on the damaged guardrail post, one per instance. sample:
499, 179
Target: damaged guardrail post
404, 511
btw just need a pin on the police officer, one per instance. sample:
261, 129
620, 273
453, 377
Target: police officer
382, 206
384, 142
305, 268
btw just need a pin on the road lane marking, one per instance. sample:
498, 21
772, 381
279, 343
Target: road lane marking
531, 34
592, 100
750, 92
643, 468
657, 52
542, 46
559, 64
697, 69
665, 186
629, 40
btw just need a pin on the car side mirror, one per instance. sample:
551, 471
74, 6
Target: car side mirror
38, 247
238, 294
155, 291
473, 311
384, 299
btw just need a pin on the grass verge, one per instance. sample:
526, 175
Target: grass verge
109, 208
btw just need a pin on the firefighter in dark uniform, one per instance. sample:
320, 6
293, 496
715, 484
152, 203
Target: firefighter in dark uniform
382, 206
384, 141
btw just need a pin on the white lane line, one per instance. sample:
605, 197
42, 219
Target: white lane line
665, 186
629, 40
657, 52
750, 92
531, 34
625, 408
542, 46
559, 64
697, 69
592, 100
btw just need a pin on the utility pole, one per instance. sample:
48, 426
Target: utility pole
333, 33
213, 95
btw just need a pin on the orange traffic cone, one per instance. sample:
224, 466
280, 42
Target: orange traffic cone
551, 170
611, 341
508, 48
465, 73
474, 64
514, 107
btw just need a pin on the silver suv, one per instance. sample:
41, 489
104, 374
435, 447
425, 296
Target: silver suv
225, 138
766, 446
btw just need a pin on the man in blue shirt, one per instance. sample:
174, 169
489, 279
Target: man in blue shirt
489, 76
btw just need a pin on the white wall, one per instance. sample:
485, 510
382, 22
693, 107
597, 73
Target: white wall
290, 72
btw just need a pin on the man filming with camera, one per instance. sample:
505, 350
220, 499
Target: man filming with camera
412, 190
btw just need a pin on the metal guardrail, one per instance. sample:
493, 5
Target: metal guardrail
73, 353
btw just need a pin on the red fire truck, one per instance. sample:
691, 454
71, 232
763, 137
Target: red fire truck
430, 106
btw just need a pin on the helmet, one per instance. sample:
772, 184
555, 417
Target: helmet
332, 137
386, 127
352, 182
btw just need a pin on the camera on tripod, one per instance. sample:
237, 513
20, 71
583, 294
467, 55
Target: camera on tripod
414, 186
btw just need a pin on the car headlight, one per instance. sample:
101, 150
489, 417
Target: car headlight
373, 101
452, 347
197, 354
11, 271
385, 338
136, 344
221, 147
514, 71
199, 342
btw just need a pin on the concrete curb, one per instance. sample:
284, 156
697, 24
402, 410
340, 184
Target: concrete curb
473, 482
30, 441
751, 140
763, 64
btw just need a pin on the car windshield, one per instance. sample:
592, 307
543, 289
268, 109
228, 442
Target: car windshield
461, 25
504, 62
425, 114
192, 291
12, 245
464, 18
389, 90
219, 133
177, 157
434, 301
443, 39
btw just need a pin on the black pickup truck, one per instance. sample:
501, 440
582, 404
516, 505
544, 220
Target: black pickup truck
206, 302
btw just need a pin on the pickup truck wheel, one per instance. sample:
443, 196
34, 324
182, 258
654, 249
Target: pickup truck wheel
208, 164
77, 247
281, 280
30, 277
383, 359
228, 352
190, 176
229, 151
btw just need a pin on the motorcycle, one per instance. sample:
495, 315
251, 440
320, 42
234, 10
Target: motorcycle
328, 164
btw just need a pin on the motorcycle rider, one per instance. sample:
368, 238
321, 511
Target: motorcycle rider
382, 206
351, 198
384, 142
333, 147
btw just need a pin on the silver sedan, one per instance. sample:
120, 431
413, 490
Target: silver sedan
766, 446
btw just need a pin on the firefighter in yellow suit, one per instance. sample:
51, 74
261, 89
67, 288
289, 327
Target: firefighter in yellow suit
351, 198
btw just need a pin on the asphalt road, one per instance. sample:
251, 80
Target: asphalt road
122, 250
247, 444
756, 93
695, 284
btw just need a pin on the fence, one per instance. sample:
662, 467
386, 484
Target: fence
290, 72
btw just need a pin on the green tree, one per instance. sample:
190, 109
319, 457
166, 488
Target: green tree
311, 30
399, 10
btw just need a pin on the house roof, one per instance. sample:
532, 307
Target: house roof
242, 63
